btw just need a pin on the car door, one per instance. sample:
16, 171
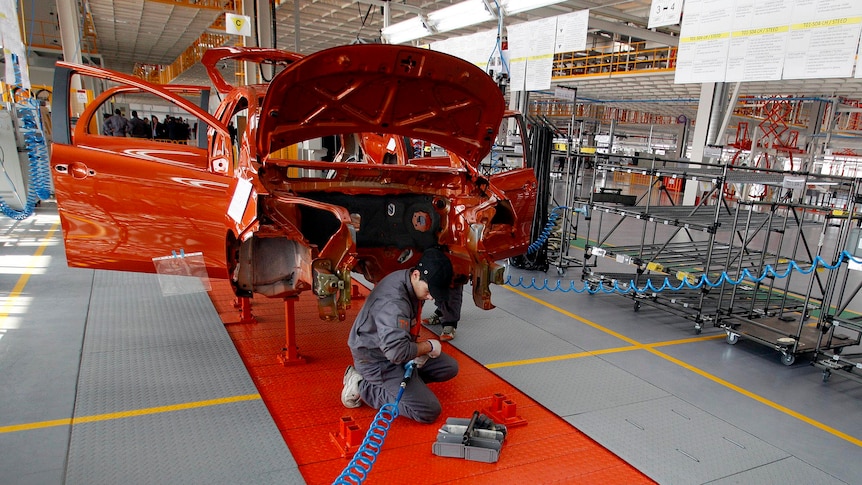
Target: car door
124, 201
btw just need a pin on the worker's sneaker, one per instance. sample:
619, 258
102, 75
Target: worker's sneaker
448, 333
350, 393
434, 319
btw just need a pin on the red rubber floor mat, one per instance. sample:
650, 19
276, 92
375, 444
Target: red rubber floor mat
304, 399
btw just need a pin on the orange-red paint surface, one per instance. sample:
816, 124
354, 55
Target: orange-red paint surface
304, 400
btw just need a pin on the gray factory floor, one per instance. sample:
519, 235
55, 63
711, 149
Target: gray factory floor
104, 380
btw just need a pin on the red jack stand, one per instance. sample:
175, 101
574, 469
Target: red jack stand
348, 438
243, 303
290, 353
504, 411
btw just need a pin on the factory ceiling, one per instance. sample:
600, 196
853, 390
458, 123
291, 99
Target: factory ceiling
126, 33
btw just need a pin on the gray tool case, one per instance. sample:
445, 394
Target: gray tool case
475, 439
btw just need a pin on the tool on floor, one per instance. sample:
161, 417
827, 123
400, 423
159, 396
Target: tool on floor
474, 439
360, 465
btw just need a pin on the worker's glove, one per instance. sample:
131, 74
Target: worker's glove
420, 361
436, 348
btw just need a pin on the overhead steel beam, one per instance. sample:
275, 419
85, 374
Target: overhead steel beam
638, 32
397, 6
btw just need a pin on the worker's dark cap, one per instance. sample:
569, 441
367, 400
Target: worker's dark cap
436, 270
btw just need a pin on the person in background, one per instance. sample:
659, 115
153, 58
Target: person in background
119, 124
107, 129
155, 127
448, 312
137, 126
233, 131
383, 339
172, 128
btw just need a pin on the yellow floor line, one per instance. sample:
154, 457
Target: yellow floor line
128, 414
25, 277
634, 345
591, 353
16, 291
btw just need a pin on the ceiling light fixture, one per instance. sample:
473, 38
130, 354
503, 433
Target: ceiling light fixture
410, 29
511, 7
460, 15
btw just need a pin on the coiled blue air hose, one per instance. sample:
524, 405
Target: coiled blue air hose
551, 224
37, 153
360, 465
624, 288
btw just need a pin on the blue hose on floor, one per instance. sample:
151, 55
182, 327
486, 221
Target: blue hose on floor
360, 465
622, 287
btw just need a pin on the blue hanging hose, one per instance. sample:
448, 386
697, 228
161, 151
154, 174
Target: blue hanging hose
551, 224
37, 153
360, 465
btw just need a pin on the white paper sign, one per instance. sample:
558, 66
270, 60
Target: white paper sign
565, 92
572, 31
474, 48
859, 63
540, 63
664, 12
10, 39
756, 54
704, 42
237, 24
822, 48
519, 50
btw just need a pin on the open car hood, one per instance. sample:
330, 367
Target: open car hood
417, 93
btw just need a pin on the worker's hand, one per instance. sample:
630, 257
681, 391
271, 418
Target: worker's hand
420, 361
436, 348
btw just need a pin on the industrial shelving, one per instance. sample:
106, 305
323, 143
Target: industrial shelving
840, 328
721, 236
788, 320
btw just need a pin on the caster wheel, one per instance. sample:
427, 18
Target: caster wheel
561, 271
732, 338
788, 359
826, 374
637, 306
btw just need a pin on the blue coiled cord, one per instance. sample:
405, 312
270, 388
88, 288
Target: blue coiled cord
624, 288
37, 153
546, 232
550, 225
360, 465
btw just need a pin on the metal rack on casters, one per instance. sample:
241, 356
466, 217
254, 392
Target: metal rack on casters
792, 324
718, 236
676, 241
840, 328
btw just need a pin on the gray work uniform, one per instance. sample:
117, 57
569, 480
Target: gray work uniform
381, 344
119, 126
450, 310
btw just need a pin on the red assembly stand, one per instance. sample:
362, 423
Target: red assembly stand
504, 411
349, 436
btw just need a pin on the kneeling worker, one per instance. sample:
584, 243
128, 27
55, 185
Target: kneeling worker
383, 339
